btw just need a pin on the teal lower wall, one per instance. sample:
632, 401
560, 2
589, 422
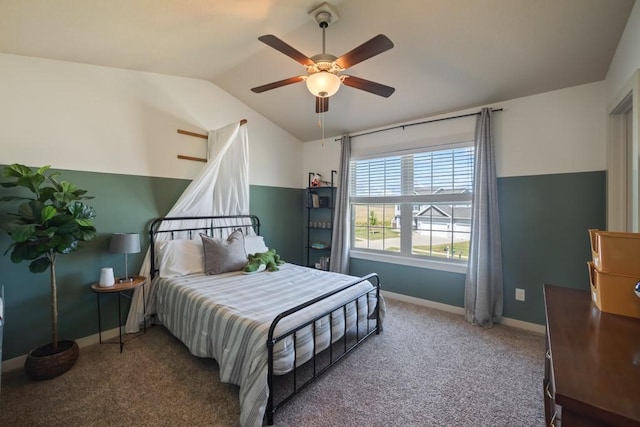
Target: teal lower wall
432, 285
123, 203
279, 210
544, 240
544, 223
544, 235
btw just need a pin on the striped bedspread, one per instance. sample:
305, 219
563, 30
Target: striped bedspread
227, 317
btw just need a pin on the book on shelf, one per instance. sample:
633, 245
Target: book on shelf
314, 199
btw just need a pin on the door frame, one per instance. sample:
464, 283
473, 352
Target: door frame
623, 174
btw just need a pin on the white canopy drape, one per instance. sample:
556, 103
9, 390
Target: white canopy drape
221, 188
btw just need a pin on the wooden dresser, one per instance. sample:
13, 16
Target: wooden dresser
592, 365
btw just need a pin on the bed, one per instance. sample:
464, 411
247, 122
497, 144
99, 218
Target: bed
272, 333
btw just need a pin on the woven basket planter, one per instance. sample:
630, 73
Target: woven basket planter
43, 364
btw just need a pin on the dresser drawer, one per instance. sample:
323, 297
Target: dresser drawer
552, 411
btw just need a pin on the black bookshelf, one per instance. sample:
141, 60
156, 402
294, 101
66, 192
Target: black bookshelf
320, 206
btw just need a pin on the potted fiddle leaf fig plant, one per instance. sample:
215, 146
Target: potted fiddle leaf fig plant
51, 219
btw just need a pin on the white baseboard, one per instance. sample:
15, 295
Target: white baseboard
18, 362
424, 302
533, 327
520, 324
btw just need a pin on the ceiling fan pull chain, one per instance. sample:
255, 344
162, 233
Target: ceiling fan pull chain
324, 27
321, 126
322, 120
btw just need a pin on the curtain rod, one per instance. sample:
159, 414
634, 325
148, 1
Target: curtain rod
419, 123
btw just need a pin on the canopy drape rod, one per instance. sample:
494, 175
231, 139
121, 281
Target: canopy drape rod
199, 135
418, 123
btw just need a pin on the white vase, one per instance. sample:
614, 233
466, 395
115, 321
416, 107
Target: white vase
106, 277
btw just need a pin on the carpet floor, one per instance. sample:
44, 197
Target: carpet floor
428, 368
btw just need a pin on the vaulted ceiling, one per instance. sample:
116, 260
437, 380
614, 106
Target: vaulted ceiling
448, 54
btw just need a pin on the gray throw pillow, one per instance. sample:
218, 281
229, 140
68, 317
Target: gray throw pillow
224, 255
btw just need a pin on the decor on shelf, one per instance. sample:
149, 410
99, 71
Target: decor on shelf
314, 200
125, 243
324, 263
323, 79
316, 181
49, 222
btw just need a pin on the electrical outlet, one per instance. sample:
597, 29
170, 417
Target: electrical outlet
519, 294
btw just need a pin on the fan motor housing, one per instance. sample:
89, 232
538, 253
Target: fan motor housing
324, 62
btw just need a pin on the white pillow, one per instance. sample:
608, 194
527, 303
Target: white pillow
254, 244
180, 257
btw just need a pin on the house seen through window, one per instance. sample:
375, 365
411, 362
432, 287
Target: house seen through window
414, 205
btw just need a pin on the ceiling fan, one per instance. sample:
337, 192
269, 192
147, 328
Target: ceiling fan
323, 77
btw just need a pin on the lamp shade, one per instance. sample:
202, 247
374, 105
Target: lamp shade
125, 243
323, 84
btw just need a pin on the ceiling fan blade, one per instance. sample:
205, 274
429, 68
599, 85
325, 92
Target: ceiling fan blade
277, 84
322, 104
283, 47
369, 86
366, 50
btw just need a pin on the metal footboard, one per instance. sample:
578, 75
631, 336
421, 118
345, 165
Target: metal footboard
333, 354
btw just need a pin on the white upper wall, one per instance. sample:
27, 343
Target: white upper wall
562, 131
90, 118
555, 132
320, 157
627, 57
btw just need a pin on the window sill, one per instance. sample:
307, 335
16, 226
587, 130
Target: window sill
411, 262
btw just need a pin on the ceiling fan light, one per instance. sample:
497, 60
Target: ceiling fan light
323, 84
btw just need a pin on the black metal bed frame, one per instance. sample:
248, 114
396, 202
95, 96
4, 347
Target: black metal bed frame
370, 327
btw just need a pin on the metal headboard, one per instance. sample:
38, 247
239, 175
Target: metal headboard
213, 226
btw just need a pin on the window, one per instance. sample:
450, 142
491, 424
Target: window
414, 205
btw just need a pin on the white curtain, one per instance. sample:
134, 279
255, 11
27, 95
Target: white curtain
221, 188
483, 284
341, 238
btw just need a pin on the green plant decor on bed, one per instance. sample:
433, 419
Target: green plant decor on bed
261, 261
50, 221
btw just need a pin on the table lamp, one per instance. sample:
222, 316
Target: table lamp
125, 243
